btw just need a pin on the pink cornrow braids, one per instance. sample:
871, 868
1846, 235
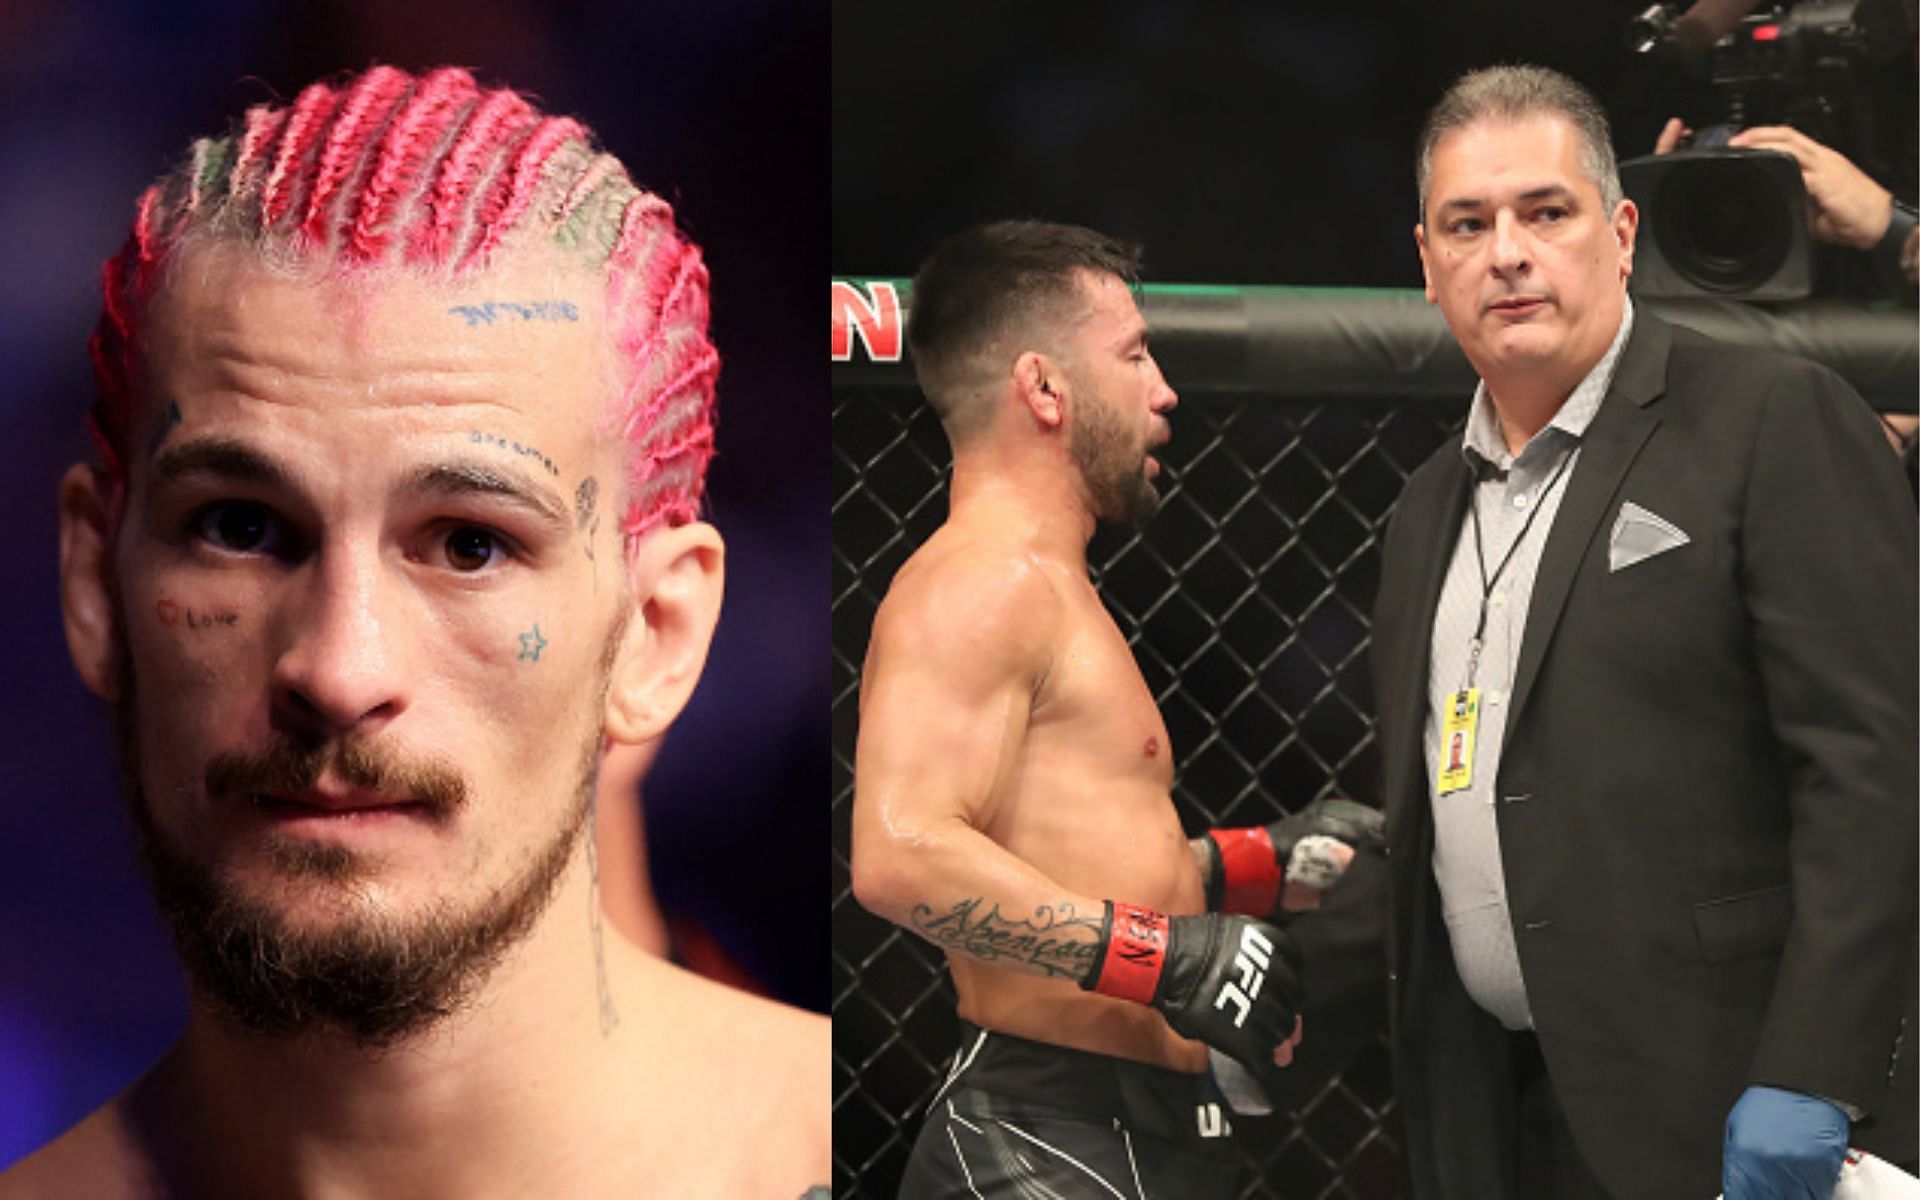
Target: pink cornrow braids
362, 116
292, 175
504, 205
603, 168
250, 164
500, 118
668, 417
438, 106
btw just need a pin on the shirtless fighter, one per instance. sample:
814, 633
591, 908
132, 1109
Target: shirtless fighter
1012, 776
406, 402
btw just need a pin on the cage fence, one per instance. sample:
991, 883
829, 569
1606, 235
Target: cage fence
1245, 601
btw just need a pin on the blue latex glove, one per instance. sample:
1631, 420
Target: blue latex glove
1783, 1145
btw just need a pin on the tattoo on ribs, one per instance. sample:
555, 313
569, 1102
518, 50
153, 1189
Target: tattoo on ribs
1058, 940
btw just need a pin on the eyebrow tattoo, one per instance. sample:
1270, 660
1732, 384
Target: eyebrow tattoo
460, 477
481, 437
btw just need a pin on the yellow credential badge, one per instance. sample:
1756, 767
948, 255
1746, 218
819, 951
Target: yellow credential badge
1456, 740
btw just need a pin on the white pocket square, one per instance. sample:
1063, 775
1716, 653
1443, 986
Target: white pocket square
1639, 535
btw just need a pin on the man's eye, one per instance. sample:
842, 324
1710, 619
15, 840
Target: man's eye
1551, 212
1464, 226
241, 526
470, 548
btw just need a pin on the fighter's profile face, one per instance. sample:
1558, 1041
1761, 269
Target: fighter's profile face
1122, 402
368, 580
1526, 264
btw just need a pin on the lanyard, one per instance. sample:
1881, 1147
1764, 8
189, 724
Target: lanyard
1480, 557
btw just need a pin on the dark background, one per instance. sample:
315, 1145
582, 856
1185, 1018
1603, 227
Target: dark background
719, 106
1241, 143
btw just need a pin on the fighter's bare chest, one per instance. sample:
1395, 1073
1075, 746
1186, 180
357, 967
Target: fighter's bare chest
1095, 701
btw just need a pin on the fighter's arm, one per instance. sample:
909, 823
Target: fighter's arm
955, 663
958, 653
1284, 866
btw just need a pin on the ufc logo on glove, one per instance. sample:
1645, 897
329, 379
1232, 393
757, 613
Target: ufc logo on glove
1251, 962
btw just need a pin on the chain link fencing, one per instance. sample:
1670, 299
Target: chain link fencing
1245, 601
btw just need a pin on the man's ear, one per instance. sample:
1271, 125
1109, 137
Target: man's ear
1426, 272
1042, 388
677, 574
1626, 226
86, 580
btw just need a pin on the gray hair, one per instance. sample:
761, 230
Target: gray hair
1513, 92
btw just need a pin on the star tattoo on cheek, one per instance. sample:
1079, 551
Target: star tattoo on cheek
531, 644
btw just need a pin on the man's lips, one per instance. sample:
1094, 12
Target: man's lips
1517, 306
326, 803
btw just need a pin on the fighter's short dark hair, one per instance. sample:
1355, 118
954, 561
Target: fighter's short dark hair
983, 281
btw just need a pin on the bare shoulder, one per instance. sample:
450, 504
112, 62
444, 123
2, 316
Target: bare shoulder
787, 1070
970, 598
760, 1084
97, 1158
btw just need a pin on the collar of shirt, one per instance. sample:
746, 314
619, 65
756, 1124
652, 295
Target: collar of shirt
1484, 443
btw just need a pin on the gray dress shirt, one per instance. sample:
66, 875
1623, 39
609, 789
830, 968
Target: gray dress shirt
1466, 842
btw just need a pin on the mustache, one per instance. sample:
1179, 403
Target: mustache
285, 766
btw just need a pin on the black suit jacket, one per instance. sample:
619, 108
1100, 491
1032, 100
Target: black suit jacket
1707, 795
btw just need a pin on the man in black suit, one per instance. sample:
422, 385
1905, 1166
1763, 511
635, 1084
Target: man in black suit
1656, 920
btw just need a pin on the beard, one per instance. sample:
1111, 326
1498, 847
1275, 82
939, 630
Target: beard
1113, 463
375, 977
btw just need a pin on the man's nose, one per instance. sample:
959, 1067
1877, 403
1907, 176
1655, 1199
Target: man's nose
1164, 397
339, 666
1511, 255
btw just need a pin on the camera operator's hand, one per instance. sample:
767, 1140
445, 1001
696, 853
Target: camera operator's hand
1849, 208
1671, 135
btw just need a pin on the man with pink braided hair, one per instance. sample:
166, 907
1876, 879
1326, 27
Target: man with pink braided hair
405, 406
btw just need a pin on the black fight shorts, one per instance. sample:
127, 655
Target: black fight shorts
1018, 1118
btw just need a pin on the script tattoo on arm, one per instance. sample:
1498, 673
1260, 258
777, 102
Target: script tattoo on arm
1058, 942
